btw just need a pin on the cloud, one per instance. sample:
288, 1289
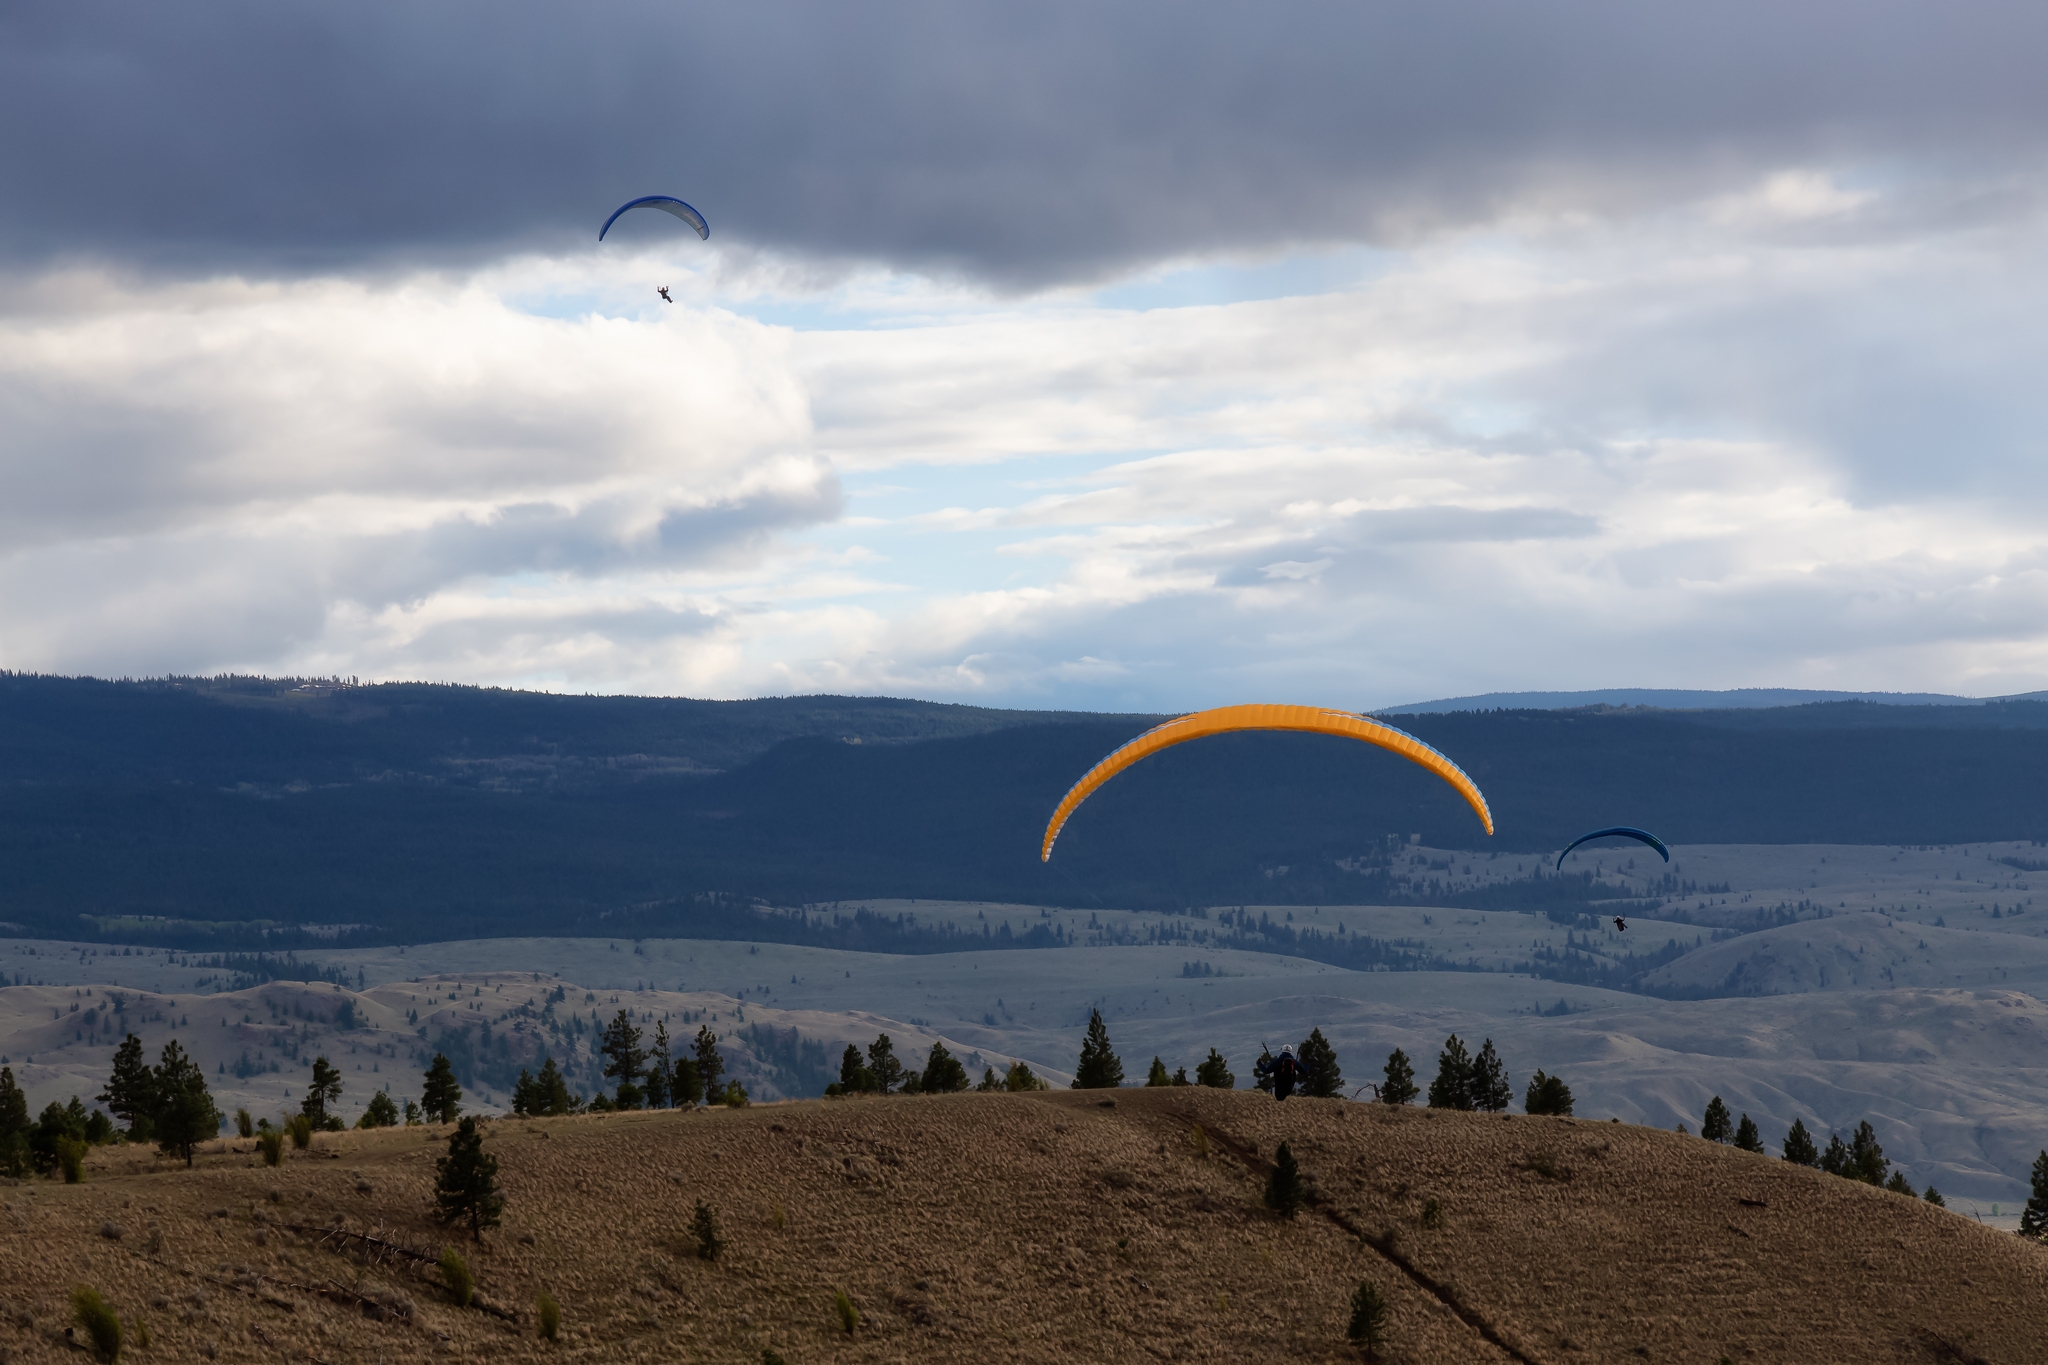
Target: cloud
1058, 142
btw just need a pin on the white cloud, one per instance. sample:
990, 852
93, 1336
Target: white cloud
1788, 436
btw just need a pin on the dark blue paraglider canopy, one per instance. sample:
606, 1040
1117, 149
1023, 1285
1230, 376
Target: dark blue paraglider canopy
667, 203
1641, 836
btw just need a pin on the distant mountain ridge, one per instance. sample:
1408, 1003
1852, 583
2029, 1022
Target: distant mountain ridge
1684, 699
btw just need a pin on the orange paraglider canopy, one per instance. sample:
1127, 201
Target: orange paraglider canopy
1224, 719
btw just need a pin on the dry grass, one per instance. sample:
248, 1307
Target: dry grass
1028, 1228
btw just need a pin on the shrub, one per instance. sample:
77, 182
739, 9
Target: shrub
842, 1306
777, 1219
244, 1125
704, 1227
1548, 1095
1368, 1316
271, 1143
550, 1315
1201, 1141
455, 1270
770, 1356
734, 1096
300, 1126
99, 1321
1432, 1214
71, 1159
1284, 1194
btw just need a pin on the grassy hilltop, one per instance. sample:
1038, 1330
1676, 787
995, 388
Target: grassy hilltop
1076, 1226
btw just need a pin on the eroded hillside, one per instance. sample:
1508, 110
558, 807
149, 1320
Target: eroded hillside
1062, 1226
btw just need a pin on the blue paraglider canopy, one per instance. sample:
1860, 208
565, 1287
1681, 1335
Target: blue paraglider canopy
667, 203
1641, 836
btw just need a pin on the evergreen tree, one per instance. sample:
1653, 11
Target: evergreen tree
1799, 1148
625, 1059
1491, 1092
1020, 1079
660, 1069
1400, 1087
1898, 1184
185, 1114
14, 1126
130, 1095
1933, 1196
1215, 1072
466, 1182
1098, 1068
324, 1091
1867, 1161
1284, 1192
2034, 1217
1835, 1160
1452, 1088
1746, 1136
989, 1081
441, 1097
943, 1074
525, 1100
380, 1113
882, 1062
1716, 1125
710, 1066
1180, 1076
58, 1124
1262, 1070
1157, 1075
1547, 1095
685, 1086
1320, 1075
551, 1091
854, 1076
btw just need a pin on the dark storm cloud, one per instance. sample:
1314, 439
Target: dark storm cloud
1020, 143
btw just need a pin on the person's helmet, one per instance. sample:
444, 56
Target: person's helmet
1287, 1050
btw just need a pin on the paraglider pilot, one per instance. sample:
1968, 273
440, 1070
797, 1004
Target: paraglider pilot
1284, 1071
1621, 924
663, 291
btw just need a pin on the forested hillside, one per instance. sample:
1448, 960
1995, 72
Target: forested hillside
420, 812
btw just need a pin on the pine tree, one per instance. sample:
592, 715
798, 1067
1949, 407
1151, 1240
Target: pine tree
441, 1097
1799, 1148
685, 1086
1098, 1068
1491, 1092
466, 1182
989, 1081
1180, 1076
1867, 1161
1746, 1136
1835, 1160
1933, 1196
379, 1113
1452, 1088
882, 1062
1157, 1075
943, 1074
1898, 1184
1547, 1095
660, 1069
552, 1091
1215, 1072
324, 1091
525, 1100
2034, 1218
1020, 1079
625, 1059
14, 1126
710, 1066
1716, 1125
1284, 1193
130, 1095
1400, 1087
1320, 1075
185, 1114
854, 1076
1262, 1070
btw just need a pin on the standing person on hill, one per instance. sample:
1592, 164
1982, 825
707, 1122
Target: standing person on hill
1284, 1071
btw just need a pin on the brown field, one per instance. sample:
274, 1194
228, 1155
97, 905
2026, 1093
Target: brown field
1062, 1226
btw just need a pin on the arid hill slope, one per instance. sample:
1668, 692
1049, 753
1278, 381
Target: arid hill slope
1030, 1228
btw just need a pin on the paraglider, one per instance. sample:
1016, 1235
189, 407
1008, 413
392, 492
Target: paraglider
1620, 924
663, 291
1226, 719
667, 203
1641, 836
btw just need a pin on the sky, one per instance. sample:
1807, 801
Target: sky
1136, 358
